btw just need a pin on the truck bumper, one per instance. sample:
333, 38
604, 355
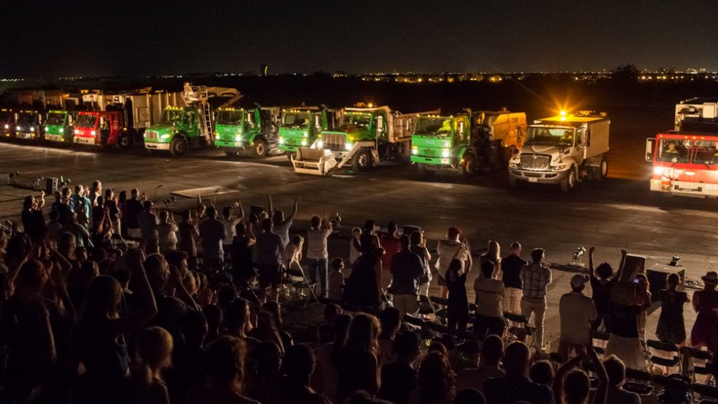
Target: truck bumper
156, 145
26, 135
228, 144
54, 138
287, 148
539, 177
84, 140
683, 188
431, 161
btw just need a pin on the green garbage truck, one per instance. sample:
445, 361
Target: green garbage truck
247, 131
300, 127
59, 126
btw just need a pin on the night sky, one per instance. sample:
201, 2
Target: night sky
108, 37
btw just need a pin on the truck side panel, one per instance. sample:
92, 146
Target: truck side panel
599, 132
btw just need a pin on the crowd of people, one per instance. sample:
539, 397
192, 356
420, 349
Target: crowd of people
106, 299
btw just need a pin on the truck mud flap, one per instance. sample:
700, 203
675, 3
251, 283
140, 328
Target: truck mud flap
313, 161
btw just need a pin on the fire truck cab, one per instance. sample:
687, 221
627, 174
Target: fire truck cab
684, 163
99, 128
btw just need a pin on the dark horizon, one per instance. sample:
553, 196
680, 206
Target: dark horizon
132, 38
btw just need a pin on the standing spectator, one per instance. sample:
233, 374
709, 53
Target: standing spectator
511, 276
82, 236
188, 235
493, 254
357, 362
573, 386
212, 232
391, 244
705, 303
399, 379
154, 349
134, 208
516, 386
230, 221
122, 206
299, 362
242, 263
336, 279
328, 357
602, 280
437, 381
188, 357
455, 277
114, 211
317, 252
32, 219
406, 270
616, 371
148, 222
363, 286
167, 232
53, 227
80, 203
577, 313
640, 296
282, 224
95, 192
492, 351
418, 247
535, 279
489, 291
624, 341
271, 257
293, 253
225, 362
446, 250
671, 326
355, 245
368, 238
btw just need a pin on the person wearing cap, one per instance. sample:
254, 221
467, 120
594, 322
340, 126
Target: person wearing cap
705, 302
576, 312
446, 250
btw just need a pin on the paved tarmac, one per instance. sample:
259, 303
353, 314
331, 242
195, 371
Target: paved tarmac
618, 213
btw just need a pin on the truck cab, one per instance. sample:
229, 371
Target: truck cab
252, 130
7, 122
300, 127
355, 126
441, 142
59, 126
98, 128
563, 150
178, 130
28, 125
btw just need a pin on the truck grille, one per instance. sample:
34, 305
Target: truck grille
334, 142
535, 162
151, 135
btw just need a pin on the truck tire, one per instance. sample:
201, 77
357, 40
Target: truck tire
362, 160
259, 148
178, 147
467, 168
600, 172
125, 141
568, 183
231, 152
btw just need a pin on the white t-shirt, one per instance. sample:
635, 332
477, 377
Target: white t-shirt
317, 243
446, 249
231, 231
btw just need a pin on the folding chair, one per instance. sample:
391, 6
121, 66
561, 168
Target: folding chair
705, 391
425, 306
664, 354
299, 282
416, 322
695, 362
519, 329
439, 305
639, 382
600, 341
675, 389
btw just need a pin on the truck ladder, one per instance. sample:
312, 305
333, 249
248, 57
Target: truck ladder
207, 120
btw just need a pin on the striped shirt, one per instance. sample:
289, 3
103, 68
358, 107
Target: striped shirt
535, 279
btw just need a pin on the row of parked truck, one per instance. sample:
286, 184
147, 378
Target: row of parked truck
320, 140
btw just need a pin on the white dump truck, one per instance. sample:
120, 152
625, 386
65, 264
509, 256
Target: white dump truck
563, 150
365, 137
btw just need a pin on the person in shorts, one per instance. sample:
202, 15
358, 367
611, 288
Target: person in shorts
271, 257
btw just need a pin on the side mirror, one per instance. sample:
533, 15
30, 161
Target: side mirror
650, 147
461, 128
380, 123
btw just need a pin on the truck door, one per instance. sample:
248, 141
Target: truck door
581, 143
380, 127
189, 123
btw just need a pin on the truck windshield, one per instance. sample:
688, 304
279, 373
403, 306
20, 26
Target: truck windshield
56, 118
676, 150
440, 126
706, 152
225, 117
361, 120
550, 136
171, 116
86, 121
295, 120
26, 119
5, 116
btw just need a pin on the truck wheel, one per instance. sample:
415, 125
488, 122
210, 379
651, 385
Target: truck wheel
231, 153
568, 183
178, 146
361, 160
601, 172
467, 168
259, 149
125, 141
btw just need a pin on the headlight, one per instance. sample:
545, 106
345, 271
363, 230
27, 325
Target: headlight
77, 132
414, 150
18, 128
445, 153
659, 170
320, 144
165, 136
46, 128
348, 146
7, 126
305, 134
238, 138
281, 140
304, 142
559, 168
62, 130
93, 133
32, 129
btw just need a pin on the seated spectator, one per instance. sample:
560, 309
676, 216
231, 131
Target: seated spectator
328, 356
294, 388
436, 379
470, 352
154, 349
214, 317
491, 354
541, 372
269, 327
516, 386
616, 371
390, 320
325, 330
188, 357
577, 314
224, 360
572, 386
469, 396
237, 322
358, 363
399, 379
262, 380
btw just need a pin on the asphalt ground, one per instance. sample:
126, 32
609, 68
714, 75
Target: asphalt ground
615, 214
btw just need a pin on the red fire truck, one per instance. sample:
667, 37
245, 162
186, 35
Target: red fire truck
684, 163
101, 128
